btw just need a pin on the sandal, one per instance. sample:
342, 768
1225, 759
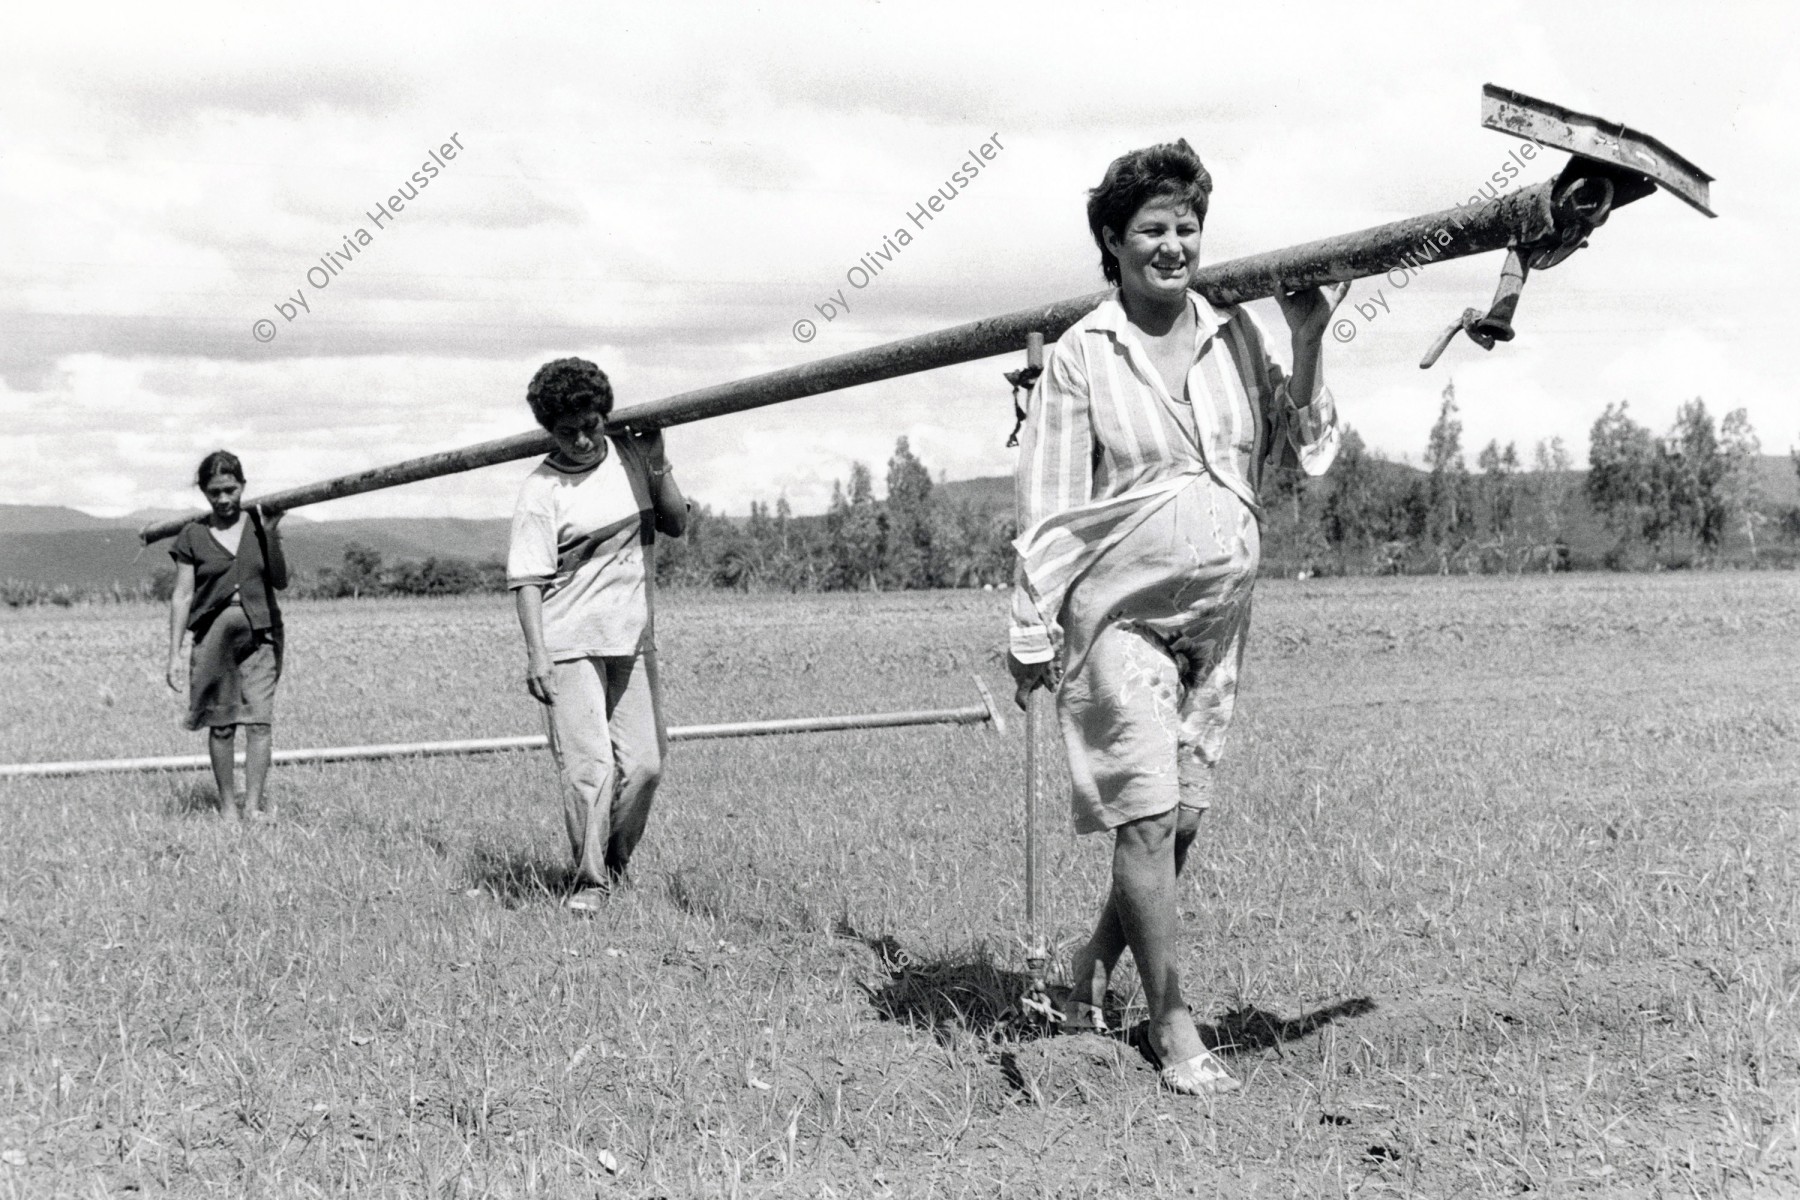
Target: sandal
587, 901
1201, 1075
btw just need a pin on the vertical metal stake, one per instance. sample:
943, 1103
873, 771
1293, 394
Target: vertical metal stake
1037, 735
1037, 949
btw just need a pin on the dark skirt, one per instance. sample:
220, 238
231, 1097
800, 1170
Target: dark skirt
233, 672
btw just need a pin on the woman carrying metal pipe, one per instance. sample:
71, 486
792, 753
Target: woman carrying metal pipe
228, 567
1146, 441
581, 572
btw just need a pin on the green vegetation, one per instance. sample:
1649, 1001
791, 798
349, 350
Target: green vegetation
1702, 496
1502, 897
1694, 498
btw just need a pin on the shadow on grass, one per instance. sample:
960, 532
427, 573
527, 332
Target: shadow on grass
1248, 1029
970, 992
966, 992
192, 797
517, 877
700, 893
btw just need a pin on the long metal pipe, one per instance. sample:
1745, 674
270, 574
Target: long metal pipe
973, 714
1528, 215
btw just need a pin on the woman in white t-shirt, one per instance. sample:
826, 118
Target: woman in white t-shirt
579, 569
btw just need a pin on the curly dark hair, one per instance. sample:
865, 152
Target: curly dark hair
568, 387
219, 462
1169, 171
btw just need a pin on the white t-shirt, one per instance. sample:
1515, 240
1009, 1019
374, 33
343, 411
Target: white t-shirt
579, 535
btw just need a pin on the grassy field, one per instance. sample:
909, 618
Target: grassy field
1503, 897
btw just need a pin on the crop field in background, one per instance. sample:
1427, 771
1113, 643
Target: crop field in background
1502, 897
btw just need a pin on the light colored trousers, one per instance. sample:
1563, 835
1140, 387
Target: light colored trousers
607, 735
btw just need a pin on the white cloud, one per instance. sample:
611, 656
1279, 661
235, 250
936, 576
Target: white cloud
668, 191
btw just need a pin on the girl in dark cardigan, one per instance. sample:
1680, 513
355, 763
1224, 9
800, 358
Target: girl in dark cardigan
228, 567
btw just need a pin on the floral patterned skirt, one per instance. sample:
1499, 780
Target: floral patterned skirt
1153, 635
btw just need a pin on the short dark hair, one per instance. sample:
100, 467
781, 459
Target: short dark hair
1169, 171
568, 387
219, 462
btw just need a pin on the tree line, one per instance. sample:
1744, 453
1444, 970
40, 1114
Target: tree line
1658, 501
915, 538
1692, 496
1644, 501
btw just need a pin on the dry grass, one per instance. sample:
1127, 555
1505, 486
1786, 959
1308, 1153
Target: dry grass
1503, 900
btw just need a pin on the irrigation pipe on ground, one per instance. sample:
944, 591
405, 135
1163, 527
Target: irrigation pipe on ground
974, 714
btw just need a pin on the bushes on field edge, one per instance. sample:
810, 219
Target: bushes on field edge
23, 593
362, 573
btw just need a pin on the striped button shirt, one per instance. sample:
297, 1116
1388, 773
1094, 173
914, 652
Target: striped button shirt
1105, 445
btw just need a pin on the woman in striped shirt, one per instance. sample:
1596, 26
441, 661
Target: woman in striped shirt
1143, 452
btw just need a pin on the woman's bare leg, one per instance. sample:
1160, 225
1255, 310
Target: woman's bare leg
221, 748
1144, 905
257, 751
1093, 965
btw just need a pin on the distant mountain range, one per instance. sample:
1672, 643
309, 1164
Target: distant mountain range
60, 546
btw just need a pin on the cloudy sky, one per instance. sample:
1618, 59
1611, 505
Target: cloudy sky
667, 189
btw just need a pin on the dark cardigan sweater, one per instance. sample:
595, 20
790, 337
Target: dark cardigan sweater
254, 572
